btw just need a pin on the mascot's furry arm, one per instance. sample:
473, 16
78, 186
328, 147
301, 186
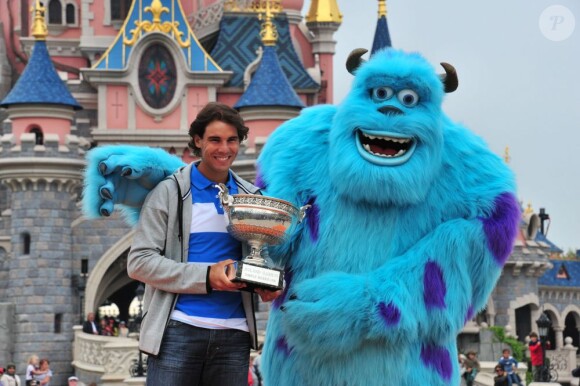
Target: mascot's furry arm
412, 219
123, 175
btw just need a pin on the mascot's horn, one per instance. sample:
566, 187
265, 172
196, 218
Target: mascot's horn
354, 59
449, 80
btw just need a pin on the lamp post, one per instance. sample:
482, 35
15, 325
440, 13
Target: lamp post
544, 325
138, 369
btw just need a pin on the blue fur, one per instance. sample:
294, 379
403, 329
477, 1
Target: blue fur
148, 166
354, 312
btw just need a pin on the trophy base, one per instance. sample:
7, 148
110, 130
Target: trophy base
257, 276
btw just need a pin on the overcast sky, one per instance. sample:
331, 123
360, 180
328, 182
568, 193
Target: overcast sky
519, 84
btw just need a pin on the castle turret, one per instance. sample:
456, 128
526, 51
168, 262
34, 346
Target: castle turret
41, 165
323, 20
269, 99
382, 37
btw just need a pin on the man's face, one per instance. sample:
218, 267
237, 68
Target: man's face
506, 354
91, 317
499, 371
219, 148
73, 382
11, 370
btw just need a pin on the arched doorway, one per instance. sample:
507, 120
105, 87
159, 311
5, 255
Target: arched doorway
108, 282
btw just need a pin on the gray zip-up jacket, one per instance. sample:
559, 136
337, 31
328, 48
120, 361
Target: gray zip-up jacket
156, 258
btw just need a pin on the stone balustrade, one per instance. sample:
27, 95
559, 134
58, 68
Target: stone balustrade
106, 360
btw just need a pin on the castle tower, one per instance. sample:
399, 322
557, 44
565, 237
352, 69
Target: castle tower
41, 165
382, 38
269, 99
323, 19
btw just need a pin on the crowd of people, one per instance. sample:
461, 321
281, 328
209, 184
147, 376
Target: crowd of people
107, 326
38, 373
505, 371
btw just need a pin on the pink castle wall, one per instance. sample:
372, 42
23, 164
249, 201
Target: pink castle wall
261, 128
144, 121
117, 107
197, 98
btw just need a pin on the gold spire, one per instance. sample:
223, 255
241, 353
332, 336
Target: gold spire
506, 155
268, 33
382, 8
529, 209
39, 30
324, 11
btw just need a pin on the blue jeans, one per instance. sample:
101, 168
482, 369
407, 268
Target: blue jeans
197, 356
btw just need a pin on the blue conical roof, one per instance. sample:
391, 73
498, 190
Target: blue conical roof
39, 83
382, 37
269, 86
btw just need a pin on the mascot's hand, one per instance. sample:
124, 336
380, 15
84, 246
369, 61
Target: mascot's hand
328, 314
123, 175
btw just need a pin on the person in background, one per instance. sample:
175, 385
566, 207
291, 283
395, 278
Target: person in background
90, 326
472, 367
537, 356
510, 365
44, 378
32, 370
501, 378
10, 378
123, 330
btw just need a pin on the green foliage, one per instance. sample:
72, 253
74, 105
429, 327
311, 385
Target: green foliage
517, 347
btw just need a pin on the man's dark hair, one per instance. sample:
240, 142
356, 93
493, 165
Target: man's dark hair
215, 111
533, 335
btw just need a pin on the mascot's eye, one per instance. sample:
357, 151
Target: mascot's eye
382, 93
407, 97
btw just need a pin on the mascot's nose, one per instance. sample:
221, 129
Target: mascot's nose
390, 110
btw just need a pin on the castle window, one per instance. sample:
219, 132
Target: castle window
119, 9
25, 241
157, 76
54, 12
57, 323
70, 14
39, 136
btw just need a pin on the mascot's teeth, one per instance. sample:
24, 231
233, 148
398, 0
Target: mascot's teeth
385, 138
385, 146
368, 148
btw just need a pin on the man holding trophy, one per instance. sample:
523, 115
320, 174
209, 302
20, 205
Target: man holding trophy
198, 323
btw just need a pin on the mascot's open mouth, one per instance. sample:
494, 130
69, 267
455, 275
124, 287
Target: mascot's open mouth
385, 148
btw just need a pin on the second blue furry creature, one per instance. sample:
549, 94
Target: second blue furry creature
412, 219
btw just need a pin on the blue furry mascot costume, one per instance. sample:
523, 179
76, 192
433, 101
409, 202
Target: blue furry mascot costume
412, 219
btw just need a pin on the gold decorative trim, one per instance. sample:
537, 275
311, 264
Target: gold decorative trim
156, 9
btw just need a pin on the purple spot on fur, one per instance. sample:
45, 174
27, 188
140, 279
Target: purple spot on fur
502, 226
260, 183
390, 313
276, 303
312, 217
437, 358
469, 315
434, 288
282, 345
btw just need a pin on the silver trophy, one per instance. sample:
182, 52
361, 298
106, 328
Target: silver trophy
260, 221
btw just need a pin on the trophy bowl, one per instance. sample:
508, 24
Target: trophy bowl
259, 221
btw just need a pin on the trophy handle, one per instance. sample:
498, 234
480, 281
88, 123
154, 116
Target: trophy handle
302, 212
224, 195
